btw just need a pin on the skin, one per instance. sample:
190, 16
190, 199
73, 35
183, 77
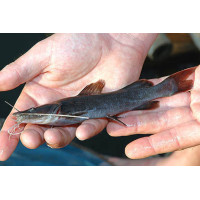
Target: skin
61, 66
175, 125
186, 157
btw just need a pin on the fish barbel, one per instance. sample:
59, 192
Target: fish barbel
92, 104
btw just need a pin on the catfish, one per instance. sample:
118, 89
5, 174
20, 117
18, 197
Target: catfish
91, 103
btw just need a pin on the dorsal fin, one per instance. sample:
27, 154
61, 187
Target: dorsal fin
140, 84
93, 88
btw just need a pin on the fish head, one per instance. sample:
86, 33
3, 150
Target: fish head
38, 115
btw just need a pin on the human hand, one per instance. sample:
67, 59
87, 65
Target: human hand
175, 125
61, 66
186, 157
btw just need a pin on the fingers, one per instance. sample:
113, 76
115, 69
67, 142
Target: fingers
195, 104
7, 145
26, 67
59, 137
147, 123
186, 157
180, 137
197, 79
178, 100
90, 128
33, 136
127, 162
172, 111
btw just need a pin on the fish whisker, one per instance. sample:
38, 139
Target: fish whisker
12, 106
56, 115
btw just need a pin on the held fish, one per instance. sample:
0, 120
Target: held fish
92, 104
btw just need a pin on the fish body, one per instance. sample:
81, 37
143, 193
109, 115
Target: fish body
92, 104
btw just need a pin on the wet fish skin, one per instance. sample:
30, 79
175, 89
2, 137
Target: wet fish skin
138, 95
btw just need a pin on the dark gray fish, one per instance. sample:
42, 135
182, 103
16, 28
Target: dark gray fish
91, 103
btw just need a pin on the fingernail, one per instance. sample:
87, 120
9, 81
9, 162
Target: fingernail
1, 151
81, 137
49, 145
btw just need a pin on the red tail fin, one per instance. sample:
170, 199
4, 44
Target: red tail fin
181, 79
178, 82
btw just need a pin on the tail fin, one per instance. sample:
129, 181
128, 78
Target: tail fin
180, 79
175, 83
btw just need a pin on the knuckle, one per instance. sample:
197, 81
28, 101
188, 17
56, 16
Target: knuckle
152, 146
176, 139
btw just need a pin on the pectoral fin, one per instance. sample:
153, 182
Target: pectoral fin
115, 118
93, 88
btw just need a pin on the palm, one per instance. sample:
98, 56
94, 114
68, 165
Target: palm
59, 67
174, 125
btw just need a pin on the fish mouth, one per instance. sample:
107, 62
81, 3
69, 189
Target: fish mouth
15, 114
43, 118
34, 118
18, 114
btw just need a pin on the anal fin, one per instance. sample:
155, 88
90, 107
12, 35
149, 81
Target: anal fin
148, 106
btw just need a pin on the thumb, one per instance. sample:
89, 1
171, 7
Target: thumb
26, 67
